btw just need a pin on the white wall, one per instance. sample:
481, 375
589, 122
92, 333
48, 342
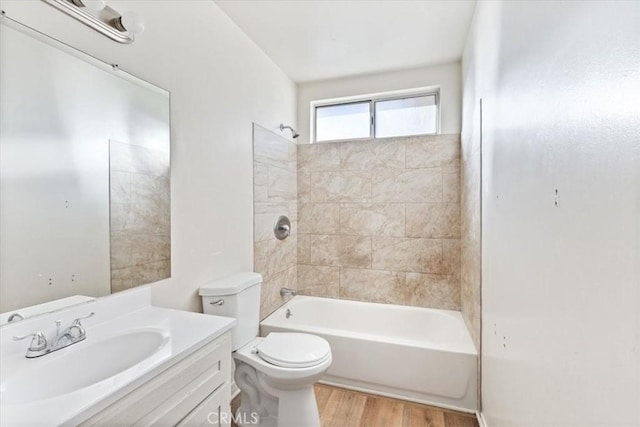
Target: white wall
561, 283
220, 82
446, 76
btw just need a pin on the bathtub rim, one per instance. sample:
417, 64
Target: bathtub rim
466, 348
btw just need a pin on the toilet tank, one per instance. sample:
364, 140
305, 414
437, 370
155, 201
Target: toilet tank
236, 296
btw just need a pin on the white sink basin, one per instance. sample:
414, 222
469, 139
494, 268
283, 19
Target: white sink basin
128, 343
82, 365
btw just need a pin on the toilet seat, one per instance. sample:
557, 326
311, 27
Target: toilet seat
293, 350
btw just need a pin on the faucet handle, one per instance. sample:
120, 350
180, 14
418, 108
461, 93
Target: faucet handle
15, 317
81, 332
77, 321
38, 343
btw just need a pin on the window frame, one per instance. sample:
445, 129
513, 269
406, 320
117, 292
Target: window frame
371, 100
337, 104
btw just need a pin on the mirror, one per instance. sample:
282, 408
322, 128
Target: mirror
84, 174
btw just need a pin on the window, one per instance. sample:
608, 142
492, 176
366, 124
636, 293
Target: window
344, 121
404, 117
378, 118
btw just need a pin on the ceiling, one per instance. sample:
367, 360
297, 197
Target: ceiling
322, 39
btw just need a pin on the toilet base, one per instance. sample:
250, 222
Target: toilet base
298, 408
263, 405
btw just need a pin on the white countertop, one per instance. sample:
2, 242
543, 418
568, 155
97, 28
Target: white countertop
46, 307
116, 314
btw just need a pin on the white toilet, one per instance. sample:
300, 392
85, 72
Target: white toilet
275, 374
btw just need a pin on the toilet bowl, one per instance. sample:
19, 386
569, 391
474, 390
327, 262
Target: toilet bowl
275, 374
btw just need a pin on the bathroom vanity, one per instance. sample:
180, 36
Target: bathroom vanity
195, 391
139, 365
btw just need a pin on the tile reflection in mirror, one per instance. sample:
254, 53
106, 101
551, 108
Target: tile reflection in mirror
59, 234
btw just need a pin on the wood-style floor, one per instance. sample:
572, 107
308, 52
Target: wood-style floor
339, 407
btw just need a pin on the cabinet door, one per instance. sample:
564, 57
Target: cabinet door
214, 411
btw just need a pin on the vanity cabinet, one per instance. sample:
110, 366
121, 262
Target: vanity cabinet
195, 391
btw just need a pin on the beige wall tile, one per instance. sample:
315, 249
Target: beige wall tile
121, 216
332, 291
148, 248
318, 218
282, 184
274, 256
433, 290
450, 153
120, 248
369, 155
270, 148
318, 157
260, 182
344, 186
132, 158
470, 265
263, 226
451, 257
345, 251
434, 151
304, 187
410, 185
293, 217
372, 285
433, 220
410, 255
377, 219
324, 250
313, 275
140, 216
143, 185
451, 187
275, 194
423, 152
120, 187
270, 293
318, 281
368, 236
355, 251
149, 215
130, 277
280, 208
304, 249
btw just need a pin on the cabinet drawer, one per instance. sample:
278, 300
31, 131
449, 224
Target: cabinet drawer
171, 395
214, 411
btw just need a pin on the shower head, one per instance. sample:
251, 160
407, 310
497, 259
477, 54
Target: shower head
294, 133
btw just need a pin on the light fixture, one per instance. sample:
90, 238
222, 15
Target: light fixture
95, 5
129, 21
96, 14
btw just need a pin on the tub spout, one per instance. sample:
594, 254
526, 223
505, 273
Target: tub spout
287, 291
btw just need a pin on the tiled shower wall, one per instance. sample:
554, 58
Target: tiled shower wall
379, 220
140, 215
471, 237
274, 194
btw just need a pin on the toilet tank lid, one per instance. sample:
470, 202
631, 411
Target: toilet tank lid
230, 285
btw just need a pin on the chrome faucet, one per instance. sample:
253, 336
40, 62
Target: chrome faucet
288, 291
72, 334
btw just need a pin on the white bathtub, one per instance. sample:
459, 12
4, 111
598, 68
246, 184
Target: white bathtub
418, 354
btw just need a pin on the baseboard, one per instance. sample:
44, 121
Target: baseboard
332, 381
481, 421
